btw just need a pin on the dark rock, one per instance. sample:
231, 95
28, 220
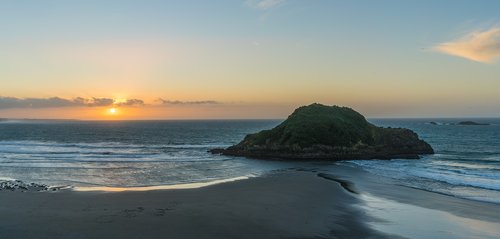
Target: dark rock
330, 133
15, 185
217, 151
470, 123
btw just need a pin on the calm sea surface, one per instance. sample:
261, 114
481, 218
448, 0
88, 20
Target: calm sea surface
146, 153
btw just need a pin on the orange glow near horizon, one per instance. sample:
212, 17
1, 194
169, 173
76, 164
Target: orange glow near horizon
153, 112
113, 114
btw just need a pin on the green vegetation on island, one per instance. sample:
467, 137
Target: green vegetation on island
329, 132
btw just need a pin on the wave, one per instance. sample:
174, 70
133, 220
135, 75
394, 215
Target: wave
462, 180
48, 154
7, 179
98, 150
465, 165
34, 163
486, 177
105, 145
163, 187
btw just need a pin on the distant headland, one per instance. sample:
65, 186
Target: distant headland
459, 123
471, 123
325, 132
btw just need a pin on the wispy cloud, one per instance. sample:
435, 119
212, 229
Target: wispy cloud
93, 102
480, 46
131, 102
178, 102
56, 102
265, 4
12, 102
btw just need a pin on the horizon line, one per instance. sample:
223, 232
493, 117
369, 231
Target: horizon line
239, 119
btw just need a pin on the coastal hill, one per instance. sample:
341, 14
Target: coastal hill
331, 133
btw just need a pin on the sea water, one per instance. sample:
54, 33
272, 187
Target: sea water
125, 153
466, 162
154, 153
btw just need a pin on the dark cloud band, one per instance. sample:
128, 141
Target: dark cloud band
56, 102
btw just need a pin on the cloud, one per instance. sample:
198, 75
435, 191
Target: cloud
480, 46
57, 102
93, 102
265, 4
12, 102
131, 102
53, 102
178, 102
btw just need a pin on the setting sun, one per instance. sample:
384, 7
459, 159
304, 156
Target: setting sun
112, 111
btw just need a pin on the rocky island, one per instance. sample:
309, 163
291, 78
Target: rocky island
471, 123
319, 132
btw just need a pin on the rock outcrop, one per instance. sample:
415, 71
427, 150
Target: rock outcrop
319, 132
470, 123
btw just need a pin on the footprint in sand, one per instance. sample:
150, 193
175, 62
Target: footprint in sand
159, 212
129, 213
105, 219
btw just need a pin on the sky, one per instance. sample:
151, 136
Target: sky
247, 59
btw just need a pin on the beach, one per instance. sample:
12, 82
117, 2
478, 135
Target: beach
330, 202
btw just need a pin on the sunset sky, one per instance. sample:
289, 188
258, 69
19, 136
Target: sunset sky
152, 59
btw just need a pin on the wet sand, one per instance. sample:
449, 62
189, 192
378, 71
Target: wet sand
330, 201
282, 205
390, 189
416, 213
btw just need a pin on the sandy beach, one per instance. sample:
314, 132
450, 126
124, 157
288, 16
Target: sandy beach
296, 203
282, 205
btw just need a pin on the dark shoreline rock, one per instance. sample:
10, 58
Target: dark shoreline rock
319, 132
17, 185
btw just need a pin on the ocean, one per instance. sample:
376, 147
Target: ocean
466, 162
153, 153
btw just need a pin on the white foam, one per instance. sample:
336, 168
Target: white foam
160, 187
7, 179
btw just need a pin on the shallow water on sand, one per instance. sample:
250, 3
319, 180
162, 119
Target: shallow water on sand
417, 222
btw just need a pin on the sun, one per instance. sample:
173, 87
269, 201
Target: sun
112, 111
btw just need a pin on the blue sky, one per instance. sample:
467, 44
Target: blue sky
385, 58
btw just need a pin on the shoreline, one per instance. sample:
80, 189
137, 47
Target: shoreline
331, 201
157, 187
285, 204
19, 185
390, 189
16, 184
